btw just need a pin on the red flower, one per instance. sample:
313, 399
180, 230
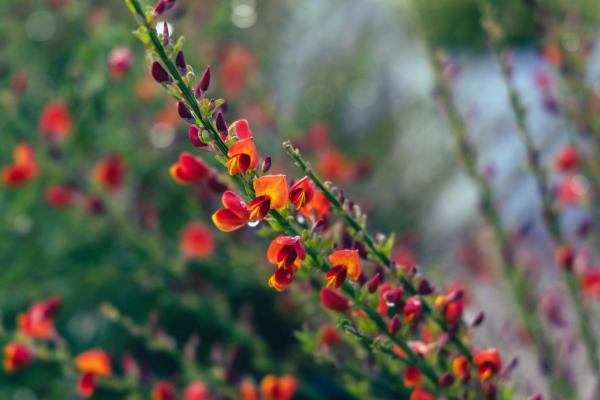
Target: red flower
119, 61
37, 322
318, 207
564, 257
234, 215
590, 282
382, 306
274, 388
333, 165
16, 356
24, 168
91, 363
60, 196
163, 391
571, 189
196, 391
567, 159
412, 308
196, 241
301, 193
189, 169
345, 263
239, 130
488, 363
452, 308
412, 377
286, 252
329, 336
271, 193
55, 122
248, 391
334, 301
421, 394
236, 65
110, 172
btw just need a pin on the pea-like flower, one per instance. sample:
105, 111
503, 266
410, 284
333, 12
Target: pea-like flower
488, 363
16, 356
271, 193
91, 363
301, 193
234, 215
189, 169
24, 168
346, 263
242, 156
287, 253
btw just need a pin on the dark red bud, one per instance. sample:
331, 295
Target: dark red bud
203, 83
180, 62
319, 226
221, 125
166, 35
159, 74
394, 296
183, 111
536, 396
455, 296
374, 282
446, 380
162, 6
478, 320
266, 165
425, 287
334, 301
216, 186
394, 325
195, 137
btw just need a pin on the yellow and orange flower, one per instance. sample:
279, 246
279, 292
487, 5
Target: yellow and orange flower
346, 263
189, 169
91, 363
271, 193
286, 252
24, 168
460, 367
452, 309
242, 156
16, 356
234, 215
278, 388
488, 363
301, 193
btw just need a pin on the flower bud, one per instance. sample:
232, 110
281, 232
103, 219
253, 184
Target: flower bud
394, 325
162, 6
195, 137
536, 396
266, 165
203, 83
319, 226
564, 257
180, 62
221, 124
334, 301
425, 287
159, 74
478, 320
166, 35
184, 112
445, 380
394, 296
374, 282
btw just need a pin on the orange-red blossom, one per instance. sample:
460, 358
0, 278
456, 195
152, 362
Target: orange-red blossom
189, 169
91, 363
488, 363
346, 263
287, 253
16, 356
271, 193
24, 168
242, 155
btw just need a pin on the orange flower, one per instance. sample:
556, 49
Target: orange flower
488, 363
91, 363
248, 391
412, 377
271, 193
333, 165
281, 278
301, 193
236, 65
16, 356
163, 391
460, 367
242, 156
24, 168
274, 388
452, 309
110, 172
37, 322
318, 207
234, 215
196, 241
334, 301
189, 169
286, 252
421, 394
55, 122
345, 263
196, 391
94, 361
240, 129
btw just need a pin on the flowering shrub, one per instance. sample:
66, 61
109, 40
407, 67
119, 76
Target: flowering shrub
288, 294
